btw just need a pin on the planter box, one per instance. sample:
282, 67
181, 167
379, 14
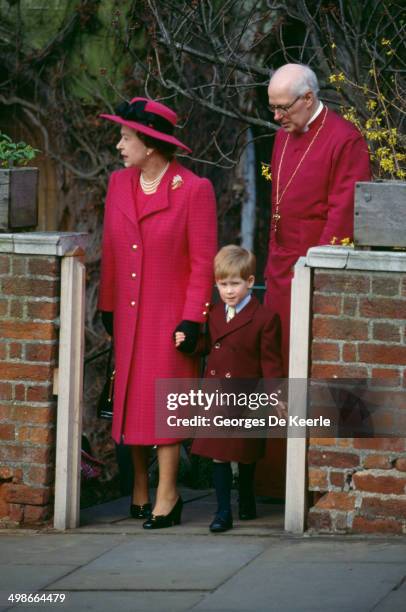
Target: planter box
380, 214
18, 198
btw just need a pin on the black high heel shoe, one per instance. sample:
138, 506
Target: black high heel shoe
165, 520
140, 512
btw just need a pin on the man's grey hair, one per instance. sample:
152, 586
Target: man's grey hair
306, 81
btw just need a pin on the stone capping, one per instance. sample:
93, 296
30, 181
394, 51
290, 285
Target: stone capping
342, 257
43, 243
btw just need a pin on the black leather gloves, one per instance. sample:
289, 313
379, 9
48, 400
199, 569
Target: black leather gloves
191, 331
107, 319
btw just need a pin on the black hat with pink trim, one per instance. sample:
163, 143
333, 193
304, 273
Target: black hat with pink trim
150, 118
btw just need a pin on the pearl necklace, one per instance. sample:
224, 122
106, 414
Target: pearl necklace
149, 187
276, 216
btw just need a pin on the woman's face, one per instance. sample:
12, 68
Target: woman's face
132, 149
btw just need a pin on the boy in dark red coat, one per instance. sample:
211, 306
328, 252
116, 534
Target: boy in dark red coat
242, 343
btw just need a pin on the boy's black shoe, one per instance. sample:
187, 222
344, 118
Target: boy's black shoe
221, 523
247, 510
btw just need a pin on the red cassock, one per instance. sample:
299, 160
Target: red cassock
317, 205
245, 348
157, 270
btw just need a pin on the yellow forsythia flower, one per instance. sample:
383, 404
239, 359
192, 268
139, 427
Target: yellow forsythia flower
266, 172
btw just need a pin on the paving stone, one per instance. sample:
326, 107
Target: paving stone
165, 563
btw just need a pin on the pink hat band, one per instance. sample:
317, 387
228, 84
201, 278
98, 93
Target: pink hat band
148, 117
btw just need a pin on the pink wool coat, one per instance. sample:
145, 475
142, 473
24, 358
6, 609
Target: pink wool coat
318, 204
157, 270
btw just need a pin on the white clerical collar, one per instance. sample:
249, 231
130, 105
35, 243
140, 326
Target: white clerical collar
313, 117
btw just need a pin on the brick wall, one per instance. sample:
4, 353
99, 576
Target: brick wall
29, 310
359, 319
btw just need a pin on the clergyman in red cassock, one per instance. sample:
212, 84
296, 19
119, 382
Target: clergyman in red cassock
317, 158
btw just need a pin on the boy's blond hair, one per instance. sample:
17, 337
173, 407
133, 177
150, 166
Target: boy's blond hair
233, 260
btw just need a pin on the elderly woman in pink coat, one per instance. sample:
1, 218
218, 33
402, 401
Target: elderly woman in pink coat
159, 241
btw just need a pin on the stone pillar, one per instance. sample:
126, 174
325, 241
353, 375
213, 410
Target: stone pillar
358, 323
30, 267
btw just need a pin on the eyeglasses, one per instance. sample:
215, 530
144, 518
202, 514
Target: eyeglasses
283, 110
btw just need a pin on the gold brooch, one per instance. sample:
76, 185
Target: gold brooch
177, 182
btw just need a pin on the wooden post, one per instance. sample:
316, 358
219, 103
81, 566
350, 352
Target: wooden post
70, 385
295, 507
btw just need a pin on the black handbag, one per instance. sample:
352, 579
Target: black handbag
105, 404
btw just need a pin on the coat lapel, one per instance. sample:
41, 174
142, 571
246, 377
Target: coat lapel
162, 202
128, 189
126, 199
220, 327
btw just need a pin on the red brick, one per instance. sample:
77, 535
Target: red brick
340, 328
336, 500
41, 352
349, 352
325, 351
6, 473
42, 475
42, 455
42, 310
23, 494
10, 452
317, 479
384, 444
386, 332
3, 308
401, 464
376, 506
338, 371
322, 441
320, 521
337, 479
4, 505
16, 309
341, 282
39, 393
377, 462
382, 353
36, 435
19, 264
364, 525
326, 304
36, 514
25, 371
383, 308
7, 432
329, 458
6, 412
385, 285
29, 414
350, 306
27, 330
386, 398
4, 264
380, 483
6, 391
385, 377
19, 393
3, 351
15, 350
43, 267
16, 513
24, 286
